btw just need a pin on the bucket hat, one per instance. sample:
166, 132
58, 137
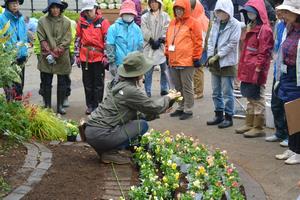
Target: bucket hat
63, 5
128, 7
6, 1
134, 64
290, 5
88, 5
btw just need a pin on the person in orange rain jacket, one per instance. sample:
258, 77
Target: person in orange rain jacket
199, 14
183, 51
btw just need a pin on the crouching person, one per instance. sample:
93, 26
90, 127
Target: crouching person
115, 123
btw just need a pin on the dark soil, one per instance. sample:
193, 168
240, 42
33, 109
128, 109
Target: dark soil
74, 174
12, 158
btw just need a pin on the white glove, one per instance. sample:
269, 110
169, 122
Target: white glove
50, 59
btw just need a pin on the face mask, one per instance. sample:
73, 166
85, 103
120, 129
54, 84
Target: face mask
128, 18
221, 16
251, 16
179, 12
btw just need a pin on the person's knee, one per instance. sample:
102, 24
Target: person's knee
144, 126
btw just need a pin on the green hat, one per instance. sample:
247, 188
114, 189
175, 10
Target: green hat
134, 64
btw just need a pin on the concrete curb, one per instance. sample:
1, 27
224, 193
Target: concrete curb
38, 161
253, 189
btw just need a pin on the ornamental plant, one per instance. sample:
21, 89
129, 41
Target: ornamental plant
71, 127
9, 70
184, 168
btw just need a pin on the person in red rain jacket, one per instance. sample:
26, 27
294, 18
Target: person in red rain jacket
89, 51
254, 66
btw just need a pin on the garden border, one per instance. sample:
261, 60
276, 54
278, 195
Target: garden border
253, 189
37, 161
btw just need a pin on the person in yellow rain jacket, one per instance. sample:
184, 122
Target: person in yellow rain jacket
37, 51
168, 8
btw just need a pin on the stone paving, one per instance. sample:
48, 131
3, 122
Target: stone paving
37, 161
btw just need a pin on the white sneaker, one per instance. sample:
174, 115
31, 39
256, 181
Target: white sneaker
295, 159
284, 143
286, 154
272, 138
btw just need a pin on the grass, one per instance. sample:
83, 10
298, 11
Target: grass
4, 187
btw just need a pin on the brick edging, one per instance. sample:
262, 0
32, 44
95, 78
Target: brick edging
38, 161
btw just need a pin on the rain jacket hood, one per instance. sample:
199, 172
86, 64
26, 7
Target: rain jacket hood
124, 38
226, 6
17, 31
159, 1
259, 5
186, 5
199, 14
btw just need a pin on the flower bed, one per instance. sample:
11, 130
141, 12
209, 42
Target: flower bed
179, 168
21, 121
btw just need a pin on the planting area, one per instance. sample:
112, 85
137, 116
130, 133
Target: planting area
160, 172
11, 159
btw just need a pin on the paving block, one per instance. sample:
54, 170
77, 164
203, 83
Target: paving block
45, 157
120, 179
14, 196
115, 183
24, 170
42, 148
44, 165
115, 192
23, 189
54, 143
32, 150
38, 173
110, 197
67, 143
30, 163
31, 181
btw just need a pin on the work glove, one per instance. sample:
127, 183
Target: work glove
197, 63
162, 40
113, 69
50, 59
213, 59
155, 45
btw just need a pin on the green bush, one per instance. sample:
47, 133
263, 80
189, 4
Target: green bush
14, 121
9, 70
70, 14
4, 187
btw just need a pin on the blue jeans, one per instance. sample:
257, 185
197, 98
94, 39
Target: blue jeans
164, 86
223, 93
277, 106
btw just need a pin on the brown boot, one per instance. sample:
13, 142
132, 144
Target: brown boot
258, 127
115, 157
82, 132
248, 124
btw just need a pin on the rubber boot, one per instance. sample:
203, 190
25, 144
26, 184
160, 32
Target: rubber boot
114, 157
258, 127
66, 103
217, 119
47, 97
61, 95
227, 122
248, 124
